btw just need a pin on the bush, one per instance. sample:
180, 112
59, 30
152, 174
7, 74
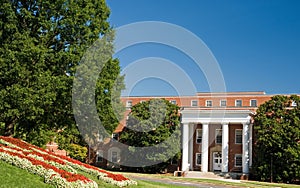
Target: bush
77, 152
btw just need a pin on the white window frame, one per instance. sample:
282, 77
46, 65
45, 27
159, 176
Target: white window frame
196, 157
235, 157
293, 104
113, 136
128, 103
237, 101
208, 101
112, 156
99, 153
197, 136
216, 131
173, 101
255, 102
223, 100
194, 101
235, 134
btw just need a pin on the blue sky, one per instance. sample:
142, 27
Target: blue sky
256, 43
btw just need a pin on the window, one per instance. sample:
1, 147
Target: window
218, 136
198, 159
238, 160
238, 136
194, 103
253, 103
99, 156
294, 104
238, 103
114, 156
223, 103
115, 136
199, 136
209, 103
128, 104
173, 101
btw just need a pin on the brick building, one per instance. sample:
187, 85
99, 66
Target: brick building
216, 129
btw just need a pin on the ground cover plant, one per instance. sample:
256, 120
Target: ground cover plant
56, 170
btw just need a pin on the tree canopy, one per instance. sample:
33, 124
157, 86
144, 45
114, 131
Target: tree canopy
42, 43
277, 140
152, 124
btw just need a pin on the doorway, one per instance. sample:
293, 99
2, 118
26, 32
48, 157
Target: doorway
217, 161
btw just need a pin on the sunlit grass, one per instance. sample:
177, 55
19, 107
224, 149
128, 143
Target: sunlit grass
14, 177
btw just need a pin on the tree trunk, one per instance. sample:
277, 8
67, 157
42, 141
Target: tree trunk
9, 129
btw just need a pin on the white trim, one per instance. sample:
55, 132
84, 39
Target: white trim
250, 102
194, 101
220, 131
222, 100
204, 148
235, 156
173, 101
185, 147
128, 103
197, 135
238, 100
191, 145
225, 145
196, 157
206, 104
236, 135
110, 153
245, 168
215, 116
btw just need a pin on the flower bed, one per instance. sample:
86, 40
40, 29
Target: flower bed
57, 170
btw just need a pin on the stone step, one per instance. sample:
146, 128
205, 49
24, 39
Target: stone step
195, 174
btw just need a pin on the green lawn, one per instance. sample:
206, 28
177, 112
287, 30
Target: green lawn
249, 184
14, 177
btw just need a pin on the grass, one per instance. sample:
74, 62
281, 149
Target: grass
250, 184
14, 177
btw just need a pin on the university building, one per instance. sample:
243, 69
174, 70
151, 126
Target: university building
217, 130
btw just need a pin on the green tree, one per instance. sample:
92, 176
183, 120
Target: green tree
277, 140
151, 123
42, 43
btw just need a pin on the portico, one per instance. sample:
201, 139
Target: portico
224, 143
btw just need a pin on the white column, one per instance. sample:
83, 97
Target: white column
191, 145
225, 139
204, 153
250, 144
245, 158
185, 146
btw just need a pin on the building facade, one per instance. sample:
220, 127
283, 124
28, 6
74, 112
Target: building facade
216, 129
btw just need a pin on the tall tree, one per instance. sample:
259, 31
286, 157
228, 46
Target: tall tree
42, 43
152, 124
277, 140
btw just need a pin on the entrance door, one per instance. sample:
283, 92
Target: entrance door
217, 161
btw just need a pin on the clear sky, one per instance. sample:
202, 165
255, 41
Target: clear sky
255, 42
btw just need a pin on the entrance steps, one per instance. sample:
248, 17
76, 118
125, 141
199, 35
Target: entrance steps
196, 174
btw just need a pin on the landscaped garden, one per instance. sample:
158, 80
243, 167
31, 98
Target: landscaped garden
59, 171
